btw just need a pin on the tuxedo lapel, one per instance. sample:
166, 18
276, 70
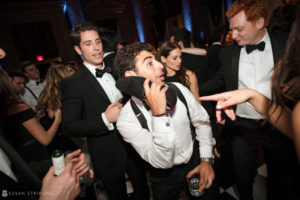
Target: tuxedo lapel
235, 66
95, 84
277, 48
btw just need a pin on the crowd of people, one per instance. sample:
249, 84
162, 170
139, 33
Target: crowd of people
149, 116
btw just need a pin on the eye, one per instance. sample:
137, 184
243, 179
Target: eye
150, 64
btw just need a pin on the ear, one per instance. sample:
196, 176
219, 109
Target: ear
163, 59
260, 23
77, 49
130, 73
180, 43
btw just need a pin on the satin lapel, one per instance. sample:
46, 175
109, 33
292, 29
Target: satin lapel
235, 66
276, 48
93, 81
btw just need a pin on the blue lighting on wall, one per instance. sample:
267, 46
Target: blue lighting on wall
229, 3
65, 7
138, 20
201, 35
75, 13
186, 15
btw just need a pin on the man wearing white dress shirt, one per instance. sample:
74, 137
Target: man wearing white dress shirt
167, 144
34, 86
249, 64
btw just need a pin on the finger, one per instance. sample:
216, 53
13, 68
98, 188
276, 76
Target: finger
209, 181
73, 154
83, 171
49, 174
202, 181
230, 113
146, 86
81, 167
164, 90
191, 173
215, 97
219, 115
91, 172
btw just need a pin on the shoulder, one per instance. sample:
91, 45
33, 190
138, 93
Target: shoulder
16, 108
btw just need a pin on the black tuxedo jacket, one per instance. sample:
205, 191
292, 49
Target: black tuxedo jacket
83, 102
227, 75
196, 63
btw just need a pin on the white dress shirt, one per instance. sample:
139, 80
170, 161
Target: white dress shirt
255, 71
27, 97
108, 84
169, 141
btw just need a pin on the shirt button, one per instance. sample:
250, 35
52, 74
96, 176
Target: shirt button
167, 124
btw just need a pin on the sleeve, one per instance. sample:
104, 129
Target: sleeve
155, 146
73, 123
214, 85
201, 122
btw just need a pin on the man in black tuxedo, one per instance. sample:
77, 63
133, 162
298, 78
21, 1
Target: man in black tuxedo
90, 108
108, 38
250, 65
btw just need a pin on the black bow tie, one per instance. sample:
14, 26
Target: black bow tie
260, 46
100, 72
38, 82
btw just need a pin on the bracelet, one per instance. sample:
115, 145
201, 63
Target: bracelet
209, 160
159, 115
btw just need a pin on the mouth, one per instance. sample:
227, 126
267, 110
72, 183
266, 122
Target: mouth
161, 77
97, 55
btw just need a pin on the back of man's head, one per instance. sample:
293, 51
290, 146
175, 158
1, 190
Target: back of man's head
125, 59
85, 26
25, 64
108, 38
182, 35
254, 9
216, 35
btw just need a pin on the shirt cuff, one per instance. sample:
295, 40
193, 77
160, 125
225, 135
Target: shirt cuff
206, 152
110, 126
161, 124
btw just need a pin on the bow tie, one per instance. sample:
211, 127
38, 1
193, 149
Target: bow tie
38, 82
260, 46
100, 72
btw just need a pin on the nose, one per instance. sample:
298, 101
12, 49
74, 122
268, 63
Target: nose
234, 34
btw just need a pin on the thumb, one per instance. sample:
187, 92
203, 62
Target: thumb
191, 173
49, 174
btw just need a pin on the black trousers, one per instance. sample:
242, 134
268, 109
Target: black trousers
116, 188
246, 138
168, 183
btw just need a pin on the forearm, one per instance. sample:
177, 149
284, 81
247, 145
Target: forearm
52, 131
278, 116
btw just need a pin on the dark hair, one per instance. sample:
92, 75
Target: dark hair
216, 35
254, 9
125, 58
182, 35
108, 38
85, 26
164, 51
15, 73
282, 18
25, 64
8, 96
288, 68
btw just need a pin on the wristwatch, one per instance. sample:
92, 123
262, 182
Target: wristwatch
209, 160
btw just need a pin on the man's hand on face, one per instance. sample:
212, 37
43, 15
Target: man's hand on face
155, 96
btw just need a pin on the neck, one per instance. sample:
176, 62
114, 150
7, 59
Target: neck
260, 36
170, 72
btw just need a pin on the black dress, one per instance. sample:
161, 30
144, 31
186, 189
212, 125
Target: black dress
25, 144
172, 79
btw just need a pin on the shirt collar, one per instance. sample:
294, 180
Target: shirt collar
92, 68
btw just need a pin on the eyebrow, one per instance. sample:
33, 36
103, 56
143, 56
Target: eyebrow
148, 57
